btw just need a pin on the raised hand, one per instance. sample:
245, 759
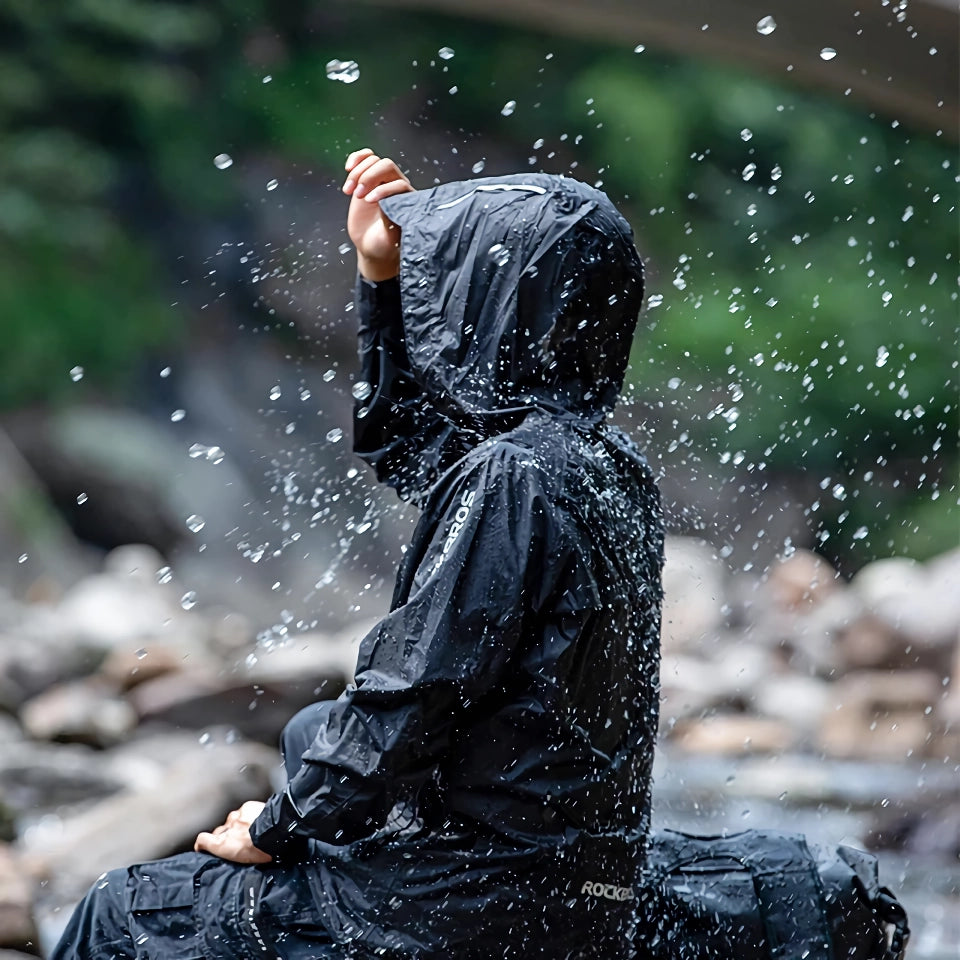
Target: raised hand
370, 179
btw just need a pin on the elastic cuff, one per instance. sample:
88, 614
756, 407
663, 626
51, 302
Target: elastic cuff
378, 304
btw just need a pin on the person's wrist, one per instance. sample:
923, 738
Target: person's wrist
377, 270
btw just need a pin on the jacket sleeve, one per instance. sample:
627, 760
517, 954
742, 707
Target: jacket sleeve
484, 571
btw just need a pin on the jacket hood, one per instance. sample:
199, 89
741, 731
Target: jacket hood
518, 293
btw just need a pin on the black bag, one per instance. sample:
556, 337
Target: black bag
764, 895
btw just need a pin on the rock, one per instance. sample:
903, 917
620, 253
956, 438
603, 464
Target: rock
35, 777
919, 602
693, 582
83, 711
16, 902
795, 699
734, 734
881, 715
258, 710
105, 610
192, 794
131, 664
869, 642
802, 580
949, 710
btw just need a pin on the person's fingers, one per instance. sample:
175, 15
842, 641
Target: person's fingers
223, 828
365, 164
390, 189
383, 171
354, 158
206, 843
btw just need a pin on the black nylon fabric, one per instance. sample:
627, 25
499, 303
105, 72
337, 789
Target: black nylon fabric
490, 771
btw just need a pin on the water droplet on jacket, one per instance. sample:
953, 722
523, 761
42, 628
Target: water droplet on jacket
335, 435
346, 71
76, 373
275, 392
361, 390
478, 166
446, 53
222, 160
500, 254
827, 53
508, 108
195, 522
189, 600
766, 26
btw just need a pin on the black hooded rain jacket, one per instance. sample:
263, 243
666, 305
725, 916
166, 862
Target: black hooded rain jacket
484, 789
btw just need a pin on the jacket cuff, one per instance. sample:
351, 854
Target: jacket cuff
273, 831
378, 304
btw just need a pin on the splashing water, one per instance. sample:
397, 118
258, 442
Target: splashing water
346, 71
766, 26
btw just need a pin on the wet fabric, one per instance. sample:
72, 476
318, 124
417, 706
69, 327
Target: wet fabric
484, 787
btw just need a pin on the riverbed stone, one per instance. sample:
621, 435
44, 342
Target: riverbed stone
693, 583
82, 711
17, 891
734, 734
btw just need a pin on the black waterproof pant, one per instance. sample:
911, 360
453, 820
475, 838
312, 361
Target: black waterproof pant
195, 906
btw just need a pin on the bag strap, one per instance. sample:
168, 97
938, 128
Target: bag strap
890, 911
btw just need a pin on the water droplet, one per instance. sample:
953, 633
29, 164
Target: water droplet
766, 26
23, 558
81, 498
361, 390
907, 214
776, 173
346, 71
329, 375
478, 166
165, 372
213, 454
141, 653
639, 48
883, 354
76, 373
195, 523
275, 392
860, 533
500, 254
446, 53
344, 248
508, 108
748, 171
272, 184
745, 134
164, 575
177, 415
827, 53
335, 435
886, 297
189, 600
222, 160
267, 78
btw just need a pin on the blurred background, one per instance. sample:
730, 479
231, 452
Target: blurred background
190, 551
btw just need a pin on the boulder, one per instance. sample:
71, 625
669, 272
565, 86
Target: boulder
17, 891
82, 711
797, 700
802, 580
880, 715
734, 734
694, 587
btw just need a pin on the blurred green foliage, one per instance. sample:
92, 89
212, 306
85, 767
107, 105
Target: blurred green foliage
803, 254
